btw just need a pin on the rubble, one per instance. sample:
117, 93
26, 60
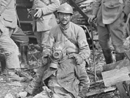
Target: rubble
99, 65
9, 95
22, 95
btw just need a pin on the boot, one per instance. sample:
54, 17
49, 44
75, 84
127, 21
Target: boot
8, 74
120, 56
3, 64
108, 56
24, 57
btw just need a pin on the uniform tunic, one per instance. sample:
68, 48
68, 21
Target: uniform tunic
47, 21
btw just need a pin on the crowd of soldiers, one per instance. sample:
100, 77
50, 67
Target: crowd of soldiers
63, 44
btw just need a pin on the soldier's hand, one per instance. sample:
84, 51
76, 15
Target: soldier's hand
46, 53
91, 18
48, 91
45, 88
127, 43
22, 94
77, 58
38, 13
83, 91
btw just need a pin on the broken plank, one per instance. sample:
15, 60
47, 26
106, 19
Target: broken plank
115, 76
99, 91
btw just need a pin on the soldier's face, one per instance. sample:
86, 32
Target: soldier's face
64, 18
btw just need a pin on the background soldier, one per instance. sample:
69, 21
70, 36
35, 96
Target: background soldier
111, 15
8, 23
44, 18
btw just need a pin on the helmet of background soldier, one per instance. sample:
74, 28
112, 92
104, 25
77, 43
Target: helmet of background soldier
65, 8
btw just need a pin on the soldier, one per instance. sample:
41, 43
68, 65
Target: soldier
111, 15
67, 50
44, 18
8, 23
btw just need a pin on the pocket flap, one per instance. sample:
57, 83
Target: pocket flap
8, 19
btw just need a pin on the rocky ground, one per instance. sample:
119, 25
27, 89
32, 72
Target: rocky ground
10, 88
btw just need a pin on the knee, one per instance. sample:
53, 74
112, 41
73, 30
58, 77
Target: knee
104, 44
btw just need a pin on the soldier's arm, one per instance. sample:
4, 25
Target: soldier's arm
127, 7
47, 46
51, 7
96, 6
84, 50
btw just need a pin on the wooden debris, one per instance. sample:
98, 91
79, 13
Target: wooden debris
115, 76
99, 91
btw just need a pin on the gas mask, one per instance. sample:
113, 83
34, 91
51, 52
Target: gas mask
58, 52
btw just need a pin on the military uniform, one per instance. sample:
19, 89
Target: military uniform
110, 20
76, 41
63, 79
47, 21
8, 23
66, 50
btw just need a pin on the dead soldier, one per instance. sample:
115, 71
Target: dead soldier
64, 76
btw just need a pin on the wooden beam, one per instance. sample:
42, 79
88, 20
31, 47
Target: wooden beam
115, 76
121, 90
99, 91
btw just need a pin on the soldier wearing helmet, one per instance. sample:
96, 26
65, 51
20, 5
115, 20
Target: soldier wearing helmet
64, 9
68, 79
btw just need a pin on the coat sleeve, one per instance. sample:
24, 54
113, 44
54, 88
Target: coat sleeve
49, 43
96, 6
84, 50
51, 7
127, 7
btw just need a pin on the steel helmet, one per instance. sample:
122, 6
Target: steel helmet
65, 8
